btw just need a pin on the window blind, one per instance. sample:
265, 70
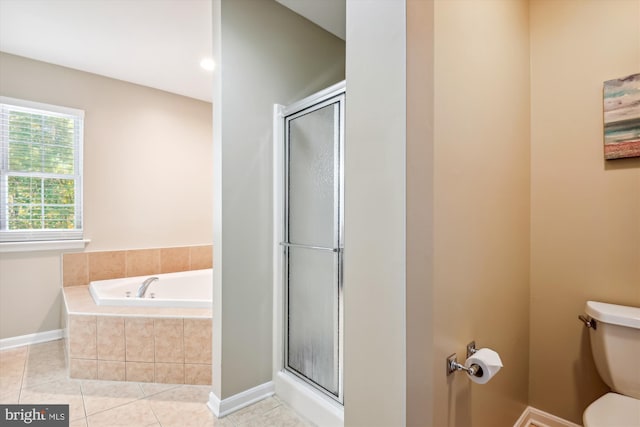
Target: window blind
40, 171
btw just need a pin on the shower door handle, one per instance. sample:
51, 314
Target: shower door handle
320, 248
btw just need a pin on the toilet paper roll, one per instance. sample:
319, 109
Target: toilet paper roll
489, 363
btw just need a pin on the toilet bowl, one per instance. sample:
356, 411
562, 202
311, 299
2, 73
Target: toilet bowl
615, 344
613, 410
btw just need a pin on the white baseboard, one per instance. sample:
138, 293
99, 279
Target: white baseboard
38, 337
535, 417
221, 408
310, 404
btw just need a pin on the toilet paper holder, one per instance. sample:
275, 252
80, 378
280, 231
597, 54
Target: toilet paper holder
453, 365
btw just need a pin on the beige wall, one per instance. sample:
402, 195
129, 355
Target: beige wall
267, 55
481, 205
585, 211
419, 234
30, 293
466, 235
147, 168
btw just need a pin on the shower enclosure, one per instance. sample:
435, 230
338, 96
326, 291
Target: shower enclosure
311, 239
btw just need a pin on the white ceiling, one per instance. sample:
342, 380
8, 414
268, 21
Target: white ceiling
155, 43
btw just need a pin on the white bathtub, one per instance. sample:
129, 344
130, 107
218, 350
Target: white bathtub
193, 289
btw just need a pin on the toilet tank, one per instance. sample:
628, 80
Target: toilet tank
615, 343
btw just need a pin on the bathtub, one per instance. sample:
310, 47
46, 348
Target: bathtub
188, 289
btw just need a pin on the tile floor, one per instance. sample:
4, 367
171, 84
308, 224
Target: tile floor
37, 374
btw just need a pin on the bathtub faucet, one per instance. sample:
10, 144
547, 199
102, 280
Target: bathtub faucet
143, 287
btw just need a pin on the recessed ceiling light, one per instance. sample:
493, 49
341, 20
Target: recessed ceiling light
207, 64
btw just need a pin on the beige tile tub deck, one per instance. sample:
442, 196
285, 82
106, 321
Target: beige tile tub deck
76, 269
197, 374
174, 259
83, 368
140, 371
82, 337
142, 344
107, 265
169, 340
139, 338
110, 338
201, 257
112, 371
197, 341
144, 262
79, 301
170, 373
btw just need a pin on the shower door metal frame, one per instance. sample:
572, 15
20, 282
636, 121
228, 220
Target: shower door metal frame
334, 95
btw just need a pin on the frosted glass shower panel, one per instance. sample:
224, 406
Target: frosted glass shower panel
312, 242
313, 316
312, 177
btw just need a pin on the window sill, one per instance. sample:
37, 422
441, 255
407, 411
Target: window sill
52, 245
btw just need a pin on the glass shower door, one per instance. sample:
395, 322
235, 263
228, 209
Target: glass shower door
313, 245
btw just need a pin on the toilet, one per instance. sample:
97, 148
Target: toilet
615, 344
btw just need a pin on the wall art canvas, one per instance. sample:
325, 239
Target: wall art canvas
622, 117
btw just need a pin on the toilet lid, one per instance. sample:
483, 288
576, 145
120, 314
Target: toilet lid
613, 410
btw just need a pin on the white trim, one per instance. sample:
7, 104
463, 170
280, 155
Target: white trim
40, 232
38, 337
278, 222
45, 108
321, 410
317, 97
535, 417
44, 245
222, 408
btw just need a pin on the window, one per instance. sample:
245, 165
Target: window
40, 171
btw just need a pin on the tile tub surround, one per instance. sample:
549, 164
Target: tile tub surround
141, 344
36, 374
78, 269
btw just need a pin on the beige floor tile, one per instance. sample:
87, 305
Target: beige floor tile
56, 392
184, 406
256, 410
49, 348
153, 388
82, 422
280, 416
224, 422
10, 398
191, 393
12, 363
45, 363
10, 380
44, 369
12, 354
134, 414
100, 396
175, 405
